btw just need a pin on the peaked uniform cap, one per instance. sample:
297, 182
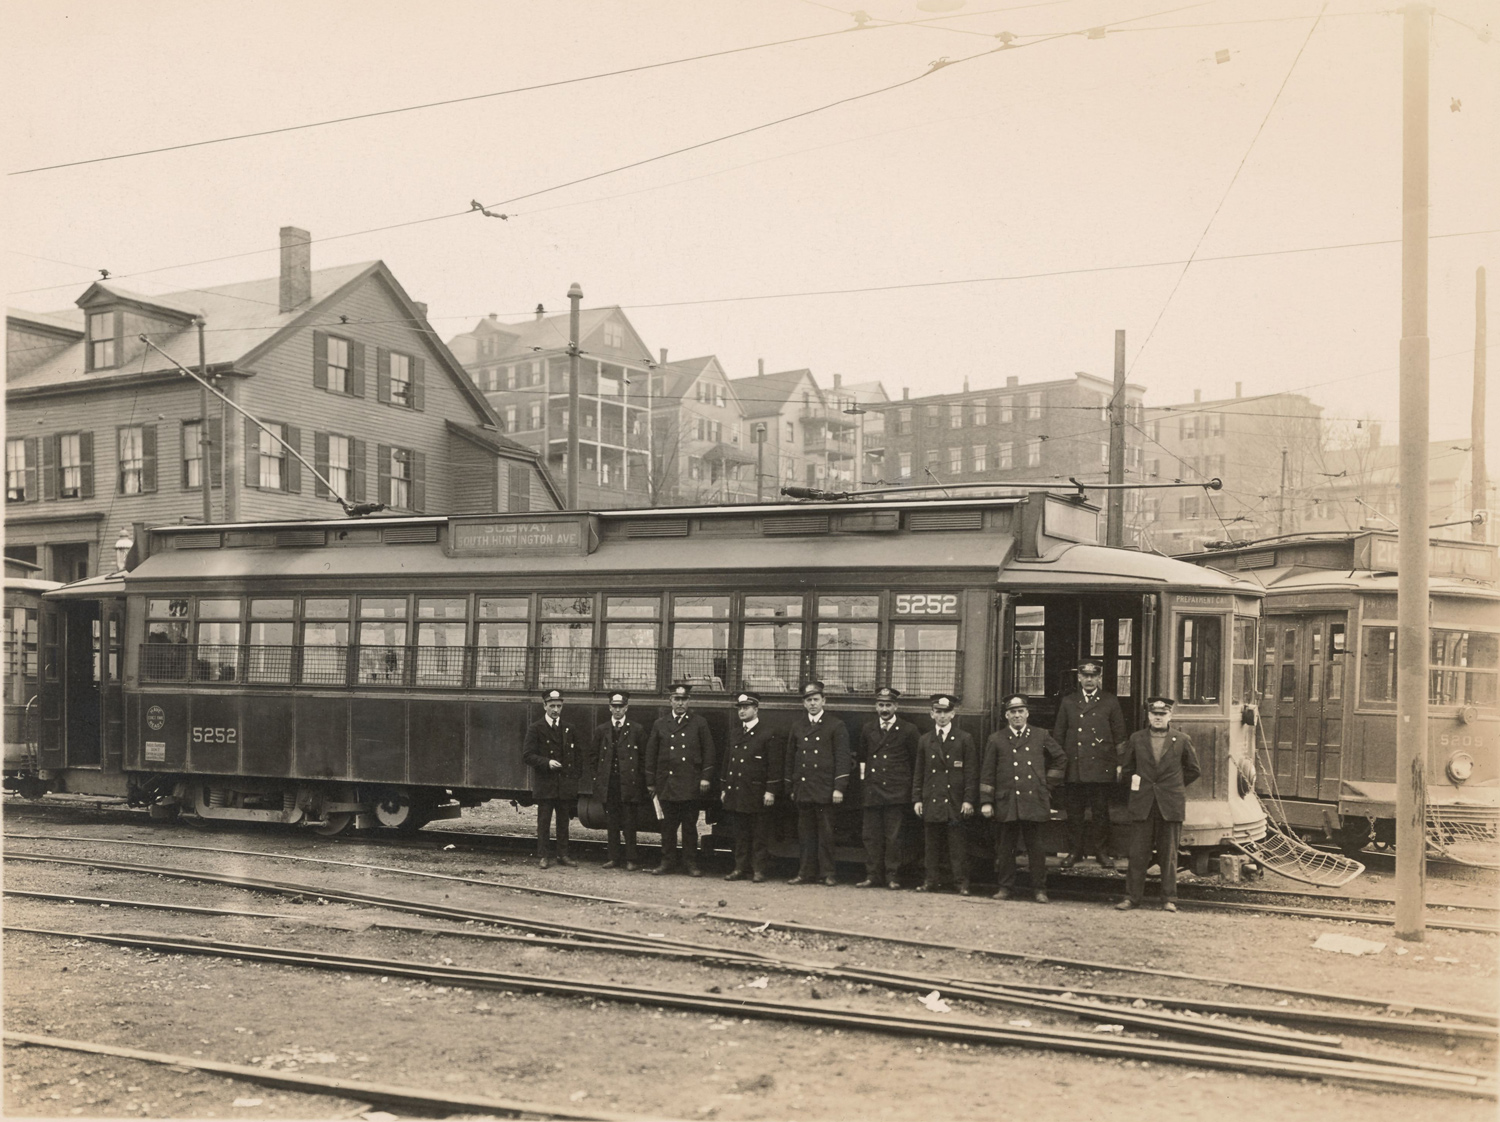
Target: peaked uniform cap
1016, 701
552, 695
812, 689
887, 693
1160, 704
619, 697
1091, 666
683, 690
746, 698
943, 702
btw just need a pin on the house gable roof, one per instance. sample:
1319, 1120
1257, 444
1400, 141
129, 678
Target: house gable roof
764, 394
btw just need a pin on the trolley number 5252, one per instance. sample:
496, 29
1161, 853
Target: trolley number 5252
215, 735
927, 604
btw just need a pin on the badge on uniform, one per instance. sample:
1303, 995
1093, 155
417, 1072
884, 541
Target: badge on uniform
958, 763
1135, 782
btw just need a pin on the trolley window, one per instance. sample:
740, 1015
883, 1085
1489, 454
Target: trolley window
772, 643
218, 654
1200, 645
1242, 683
564, 647
269, 657
631, 639
1029, 650
501, 635
442, 628
847, 646
1124, 658
325, 641
700, 641
1462, 667
382, 641
1337, 650
167, 621
924, 657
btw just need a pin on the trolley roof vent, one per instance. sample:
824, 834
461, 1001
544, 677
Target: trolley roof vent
408, 535
1263, 560
657, 528
206, 539
300, 537
794, 524
919, 520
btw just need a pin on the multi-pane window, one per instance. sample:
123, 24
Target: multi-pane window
1033, 453
382, 640
511, 417
1007, 411
1200, 646
932, 459
1006, 457
981, 414
565, 636
272, 457
268, 657
340, 459
338, 365
632, 631
166, 654
1242, 680
325, 641
400, 379
534, 416
101, 340
1029, 649
1124, 663
218, 638
956, 415
132, 459
401, 476
955, 461
1033, 406
442, 627
1462, 667
772, 641
15, 470
978, 459
500, 636
924, 658
700, 640
848, 638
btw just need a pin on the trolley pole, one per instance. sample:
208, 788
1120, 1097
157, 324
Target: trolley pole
205, 449
1480, 485
1115, 532
575, 294
1411, 586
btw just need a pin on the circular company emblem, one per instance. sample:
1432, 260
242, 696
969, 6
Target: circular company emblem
155, 718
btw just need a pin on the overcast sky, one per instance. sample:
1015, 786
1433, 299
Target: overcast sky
1092, 158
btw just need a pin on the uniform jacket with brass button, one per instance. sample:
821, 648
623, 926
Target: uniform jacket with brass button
1016, 771
888, 758
1091, 734
946, 775
544, 743
817, 759
1163, 782
678, 756
626, 748
752, 766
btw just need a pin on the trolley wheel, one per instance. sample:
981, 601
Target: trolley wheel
395, 810
33, 789
335, 824
1202, 862
1352, 837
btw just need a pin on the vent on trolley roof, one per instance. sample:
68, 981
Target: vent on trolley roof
945, 520
408, 535
794, 524
657, 528
207, 539
1264, 560
300, 537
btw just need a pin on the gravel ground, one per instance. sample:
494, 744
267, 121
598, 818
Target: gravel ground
586, 1055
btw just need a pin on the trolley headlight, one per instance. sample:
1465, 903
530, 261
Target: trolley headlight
1460, 766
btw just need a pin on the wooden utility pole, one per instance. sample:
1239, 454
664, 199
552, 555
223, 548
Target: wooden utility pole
1480, 485
1115, 531
205, 449
1281, 499
1411, 581
575, 294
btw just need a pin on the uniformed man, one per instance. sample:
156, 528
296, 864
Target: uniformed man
551, 752
620, 777
1090, 727
679, 772
1158, 763
816, 774
887, 747
1019, 763
945, 787
747, 786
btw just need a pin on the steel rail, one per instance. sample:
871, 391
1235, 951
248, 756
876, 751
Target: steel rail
1379, 1073
449, 912
389, 1094
976, 990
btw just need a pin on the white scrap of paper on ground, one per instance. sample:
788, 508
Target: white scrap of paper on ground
759, 983
934, 1001
1346, 944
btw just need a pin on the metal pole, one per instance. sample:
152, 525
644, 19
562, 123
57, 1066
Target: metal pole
1411, 585
1281, 500
1115, 532
760, 462
204, 448
575, 294
1480, 499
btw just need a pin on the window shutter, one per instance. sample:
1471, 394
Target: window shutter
119, 337
418, 384
356, 369
86, 458
357, 470
418, 482
148, 459
215, 452
50, 461
383, 375
383, 466
32, 494
291, 478
320, 360
320, 461
252, 453
518, 479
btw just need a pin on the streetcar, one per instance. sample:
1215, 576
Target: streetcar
23, 601
382, 671
1326, 684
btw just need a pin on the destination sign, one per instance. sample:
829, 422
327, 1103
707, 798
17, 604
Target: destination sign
552, 538
1444, 559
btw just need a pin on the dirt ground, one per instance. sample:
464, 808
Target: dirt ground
594, 1055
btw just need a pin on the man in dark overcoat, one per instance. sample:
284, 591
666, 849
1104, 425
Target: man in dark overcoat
1158, 763
945, 787
1019, 764
748, 782
887, 747
1090, 727
816, 775
620, 777
679, 770
550, 750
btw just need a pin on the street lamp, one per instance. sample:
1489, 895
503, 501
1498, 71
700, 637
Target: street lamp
123, 545
759, 433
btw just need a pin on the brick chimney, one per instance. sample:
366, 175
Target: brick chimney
838, 380
663, 353
1012, 380
905, 393
1197, 396
1239, 389
541, 313
421, 307
760, 368
296, 268
966, 385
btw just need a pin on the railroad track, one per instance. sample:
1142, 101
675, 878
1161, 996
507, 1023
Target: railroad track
1263, 1048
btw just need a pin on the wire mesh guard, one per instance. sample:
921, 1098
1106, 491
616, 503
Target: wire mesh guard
1466, 834
1284, 854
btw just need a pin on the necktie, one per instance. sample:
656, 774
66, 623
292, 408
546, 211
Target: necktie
619, 724
747, 728
886, 726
